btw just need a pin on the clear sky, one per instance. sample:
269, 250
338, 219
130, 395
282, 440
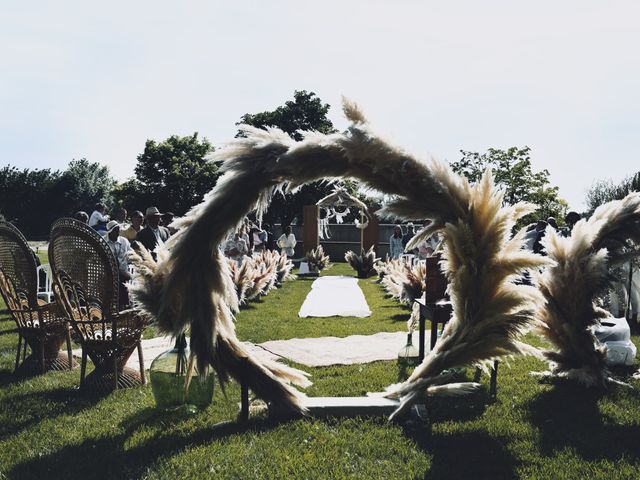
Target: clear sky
96, 79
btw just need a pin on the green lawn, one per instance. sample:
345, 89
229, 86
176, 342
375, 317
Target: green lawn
275, 316
532, 430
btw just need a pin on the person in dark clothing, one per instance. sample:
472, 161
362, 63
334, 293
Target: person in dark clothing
153, 233
271, 243
571, 219
537, 245
409, 235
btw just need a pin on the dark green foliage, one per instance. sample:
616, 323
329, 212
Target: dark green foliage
514, 173
604, 191
305, 112
173, 175
33, 199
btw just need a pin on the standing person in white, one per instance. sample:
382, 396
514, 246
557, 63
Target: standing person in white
119, 246
287, 242
98, 220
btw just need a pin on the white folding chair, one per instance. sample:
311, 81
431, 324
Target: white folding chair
45, 292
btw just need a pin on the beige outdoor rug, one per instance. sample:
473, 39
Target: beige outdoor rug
312, 352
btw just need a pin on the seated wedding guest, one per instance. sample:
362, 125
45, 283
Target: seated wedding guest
236, 247
131, 232
167, 218
552, 221
98, 220
571, 219
120, 216
409, 235
396, 248
541, 227
287, 242
270, 242
258, 238
81, 217
153, 233
119, 246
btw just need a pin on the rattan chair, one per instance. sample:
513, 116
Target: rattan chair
41, 326
85, 275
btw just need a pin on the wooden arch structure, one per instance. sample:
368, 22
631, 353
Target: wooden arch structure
312, 221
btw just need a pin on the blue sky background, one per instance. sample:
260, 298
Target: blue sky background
86, 79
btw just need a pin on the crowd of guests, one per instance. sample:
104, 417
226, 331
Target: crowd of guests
399, 240
536, 231
122, 233
533, 238
250, 238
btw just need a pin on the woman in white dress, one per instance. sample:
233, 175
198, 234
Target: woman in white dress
287, 242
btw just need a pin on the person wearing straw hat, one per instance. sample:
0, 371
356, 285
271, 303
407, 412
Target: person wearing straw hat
153, 233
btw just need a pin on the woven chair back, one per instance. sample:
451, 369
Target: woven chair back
18, 275
85, 276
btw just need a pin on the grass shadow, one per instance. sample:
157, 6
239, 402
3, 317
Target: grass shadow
30, 408
478, 447
107, 458
568, 415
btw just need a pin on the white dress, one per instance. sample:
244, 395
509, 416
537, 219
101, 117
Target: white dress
287, 244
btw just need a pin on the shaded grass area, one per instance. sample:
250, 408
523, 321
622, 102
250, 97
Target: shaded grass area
532, 430
275, 316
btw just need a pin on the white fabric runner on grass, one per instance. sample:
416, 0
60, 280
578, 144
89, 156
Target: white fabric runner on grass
335, 296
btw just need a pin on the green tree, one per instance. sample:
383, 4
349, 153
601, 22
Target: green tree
85, 183
513, 172
172, 175
33, 199
603, 191
305, 112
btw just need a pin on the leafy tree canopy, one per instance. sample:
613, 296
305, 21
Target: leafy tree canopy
604, 191
172, 175
305, 112
513, 172
33, 199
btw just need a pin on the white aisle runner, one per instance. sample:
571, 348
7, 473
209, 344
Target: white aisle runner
335, 296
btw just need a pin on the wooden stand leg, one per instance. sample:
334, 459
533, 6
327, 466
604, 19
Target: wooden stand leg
493, 385
141, 360
18, 352
434, 333
69, 353
421, 339
83, 367
244, 403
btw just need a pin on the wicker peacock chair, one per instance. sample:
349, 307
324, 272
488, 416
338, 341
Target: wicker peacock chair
42, 326
85, 277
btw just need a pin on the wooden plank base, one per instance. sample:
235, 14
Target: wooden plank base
321, 407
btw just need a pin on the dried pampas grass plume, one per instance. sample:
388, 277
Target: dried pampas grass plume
191, 286
579, 274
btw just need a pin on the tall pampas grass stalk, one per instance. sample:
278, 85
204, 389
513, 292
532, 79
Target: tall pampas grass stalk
364, 263
190, 286
317, 259
579, 274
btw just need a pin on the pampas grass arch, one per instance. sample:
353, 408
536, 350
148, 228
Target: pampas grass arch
189, 287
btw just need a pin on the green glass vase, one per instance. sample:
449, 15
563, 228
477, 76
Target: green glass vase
168, 374
408, 355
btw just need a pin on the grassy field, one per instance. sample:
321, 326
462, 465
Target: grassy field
532, 430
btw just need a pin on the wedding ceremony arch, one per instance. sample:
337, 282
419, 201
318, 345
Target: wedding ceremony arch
188, 287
